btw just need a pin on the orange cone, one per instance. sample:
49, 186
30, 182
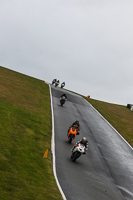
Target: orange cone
46, 154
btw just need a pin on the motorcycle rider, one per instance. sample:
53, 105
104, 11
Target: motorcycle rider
63, 84
76, 125
83, 141
64, 95
57, 83
54, 81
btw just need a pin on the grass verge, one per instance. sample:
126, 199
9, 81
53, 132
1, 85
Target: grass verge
25, 134
119, 116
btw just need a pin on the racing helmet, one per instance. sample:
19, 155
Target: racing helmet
77, 122
84, 140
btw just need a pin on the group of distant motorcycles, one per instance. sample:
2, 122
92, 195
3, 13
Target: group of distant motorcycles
57, 82
80, 147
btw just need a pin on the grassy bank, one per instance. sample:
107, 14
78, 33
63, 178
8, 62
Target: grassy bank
119, 116
25, 134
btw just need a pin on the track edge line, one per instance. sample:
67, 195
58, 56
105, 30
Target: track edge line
53, 148
111, 126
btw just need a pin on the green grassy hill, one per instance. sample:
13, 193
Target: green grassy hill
25, 134
119, 116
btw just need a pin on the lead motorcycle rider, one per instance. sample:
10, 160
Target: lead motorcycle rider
83, 141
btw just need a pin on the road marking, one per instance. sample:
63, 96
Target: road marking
110, 125
53, 148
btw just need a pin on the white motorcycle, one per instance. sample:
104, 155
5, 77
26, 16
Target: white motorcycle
77, 151
62, 85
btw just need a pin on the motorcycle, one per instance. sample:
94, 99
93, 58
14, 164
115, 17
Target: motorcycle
56, 84
54, 81
62, 85
62, 100
72, 134
78, 151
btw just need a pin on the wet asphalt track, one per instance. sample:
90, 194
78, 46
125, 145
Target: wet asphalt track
106, 171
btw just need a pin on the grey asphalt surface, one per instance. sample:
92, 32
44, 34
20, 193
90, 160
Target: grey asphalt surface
106, 171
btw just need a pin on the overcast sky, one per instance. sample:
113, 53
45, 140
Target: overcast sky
86, 43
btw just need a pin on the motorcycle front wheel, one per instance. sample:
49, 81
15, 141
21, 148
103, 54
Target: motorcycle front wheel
75, 156
70, 140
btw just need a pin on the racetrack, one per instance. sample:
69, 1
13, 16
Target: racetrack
106, 171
